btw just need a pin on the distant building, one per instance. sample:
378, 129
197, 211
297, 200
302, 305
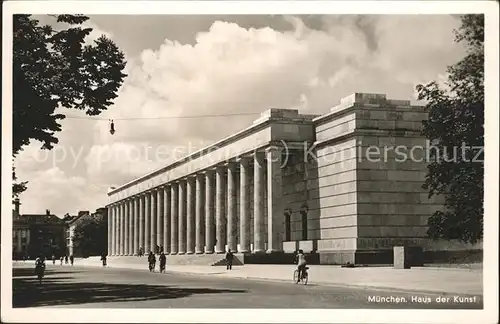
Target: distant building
37, 234
72, 222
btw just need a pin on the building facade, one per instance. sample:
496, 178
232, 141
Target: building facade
333, 184
72, 222
37, 235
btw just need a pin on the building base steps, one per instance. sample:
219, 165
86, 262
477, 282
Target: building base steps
182, 259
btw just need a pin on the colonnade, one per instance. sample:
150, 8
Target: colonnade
189, 215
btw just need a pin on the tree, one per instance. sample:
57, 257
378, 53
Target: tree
91, 237
17, 187
54, 68
456, 127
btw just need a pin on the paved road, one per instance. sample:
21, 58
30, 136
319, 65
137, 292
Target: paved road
65, 286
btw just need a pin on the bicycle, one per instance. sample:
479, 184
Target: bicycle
305, 276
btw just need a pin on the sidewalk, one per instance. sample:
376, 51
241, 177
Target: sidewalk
440, 280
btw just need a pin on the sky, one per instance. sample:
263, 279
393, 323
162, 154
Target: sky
202, 65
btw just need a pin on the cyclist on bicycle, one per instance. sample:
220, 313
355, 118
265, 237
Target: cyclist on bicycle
301, 263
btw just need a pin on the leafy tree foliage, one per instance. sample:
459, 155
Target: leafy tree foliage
456, 127
55, 68
17, 187
91, 237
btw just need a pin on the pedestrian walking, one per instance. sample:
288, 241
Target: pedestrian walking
53, 259
229, 260
72, 259
103, 259
61, 259
163, 262
66, 259
151, 261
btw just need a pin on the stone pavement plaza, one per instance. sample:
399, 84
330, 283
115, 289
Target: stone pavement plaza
439, 280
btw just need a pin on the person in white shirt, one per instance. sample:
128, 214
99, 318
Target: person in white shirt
301, 263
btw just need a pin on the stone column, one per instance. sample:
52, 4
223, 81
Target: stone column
118, 228
244, 213
166, 219
147, 223
135, 247
152, 231
220, 219
275, 207
159, 217
125, 227
141, 221
209, 212
232, 230
113, 228
258, 203
200, 214
112, 233
190, 211
130, 237
174, 217
108, 252
182, 217
122, 227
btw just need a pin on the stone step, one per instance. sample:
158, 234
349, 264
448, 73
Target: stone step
184, 259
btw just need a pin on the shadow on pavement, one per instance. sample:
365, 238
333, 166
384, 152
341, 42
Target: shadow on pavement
58, 291
24, 272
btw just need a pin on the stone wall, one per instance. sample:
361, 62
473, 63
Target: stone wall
369, 186
297, 189
393, 208
336, 195
335, 187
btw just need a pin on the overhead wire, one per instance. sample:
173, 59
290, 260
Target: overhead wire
160, 117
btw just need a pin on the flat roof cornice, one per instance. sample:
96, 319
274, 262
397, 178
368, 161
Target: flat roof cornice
280, 116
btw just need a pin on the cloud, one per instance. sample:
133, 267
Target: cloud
230, 69
53, 189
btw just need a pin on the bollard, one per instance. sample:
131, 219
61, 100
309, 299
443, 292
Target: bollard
401, 258
405, 257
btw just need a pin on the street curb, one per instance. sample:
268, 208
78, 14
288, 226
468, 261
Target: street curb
365, 287
450, 269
